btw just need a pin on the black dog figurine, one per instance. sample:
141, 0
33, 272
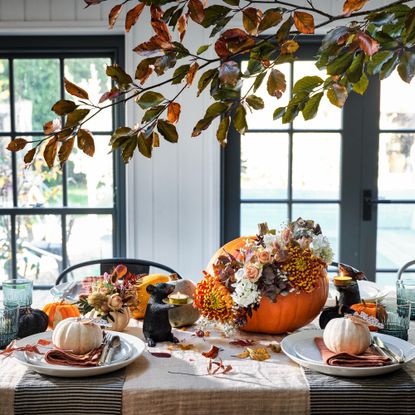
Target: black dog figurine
156, 326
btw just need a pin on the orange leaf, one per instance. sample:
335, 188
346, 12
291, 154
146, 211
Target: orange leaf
49, 153
369, 45
44, 342
86, 142
351, 6
212, 353
251, 19
233, 41
173, 112
153, 44
75, 90
29, 156
113, 16
191, 74
304, 22
66, 150
196, 11
17, 144
182, 25
133, 15
158, 25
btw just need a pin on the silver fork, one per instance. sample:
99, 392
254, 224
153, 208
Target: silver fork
106, 342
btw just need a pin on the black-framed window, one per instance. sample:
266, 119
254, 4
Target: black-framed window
323, 169
50, 219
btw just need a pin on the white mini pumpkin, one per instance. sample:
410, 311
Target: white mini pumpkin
76, 335
347, 335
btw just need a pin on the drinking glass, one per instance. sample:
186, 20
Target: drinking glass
398, 314
18, 292
405, 291
9, 319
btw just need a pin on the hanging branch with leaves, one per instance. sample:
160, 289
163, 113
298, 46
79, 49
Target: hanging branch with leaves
372, 42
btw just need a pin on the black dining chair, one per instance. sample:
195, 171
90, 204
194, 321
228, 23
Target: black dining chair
135, 266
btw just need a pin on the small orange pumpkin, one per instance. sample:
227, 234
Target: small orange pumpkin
372, 310
58, 311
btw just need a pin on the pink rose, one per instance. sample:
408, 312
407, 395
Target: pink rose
252, 272
115, 302
264, 257
286, 235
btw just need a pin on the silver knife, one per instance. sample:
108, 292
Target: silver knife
390, 352
114, 344
107, 340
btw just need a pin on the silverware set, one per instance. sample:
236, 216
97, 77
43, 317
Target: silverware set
111, 343
384, 350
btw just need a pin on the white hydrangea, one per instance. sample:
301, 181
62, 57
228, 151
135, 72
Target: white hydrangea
320, 246
246, 292
269, 239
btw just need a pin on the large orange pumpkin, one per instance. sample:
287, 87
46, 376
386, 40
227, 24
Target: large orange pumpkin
58, 311
289, 312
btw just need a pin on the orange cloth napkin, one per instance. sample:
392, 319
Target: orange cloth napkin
369, 358
65, 358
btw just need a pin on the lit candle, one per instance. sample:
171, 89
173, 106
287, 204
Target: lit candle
348, 289
178, 298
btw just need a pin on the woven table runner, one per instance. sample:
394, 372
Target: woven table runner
393, 393
43, 395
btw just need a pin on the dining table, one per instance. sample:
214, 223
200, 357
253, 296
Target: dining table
179, 379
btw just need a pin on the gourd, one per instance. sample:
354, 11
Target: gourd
347, 335
185, 315
119, 320
58, 311
32, 321
76, 335
372, 310
143, 296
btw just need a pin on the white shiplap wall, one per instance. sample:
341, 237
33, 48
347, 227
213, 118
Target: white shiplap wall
173, 199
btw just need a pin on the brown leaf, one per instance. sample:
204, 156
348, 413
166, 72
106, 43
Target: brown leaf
212, 353
369, 45
196, 11
66, 150
50, 151
17, 144
289, 46
304, 22
260, 354
173, 112
75, 90
113, 16
158, 25
156, 139
276, 84
182, 26
232, 41
153, 44
92, 2
192, 72
63, 107
337, 95
351, 6
30, 155
242, 342
243, 355
251, 19
133, 15
114, 93
86, 142
161, 354
52, 126
275, 347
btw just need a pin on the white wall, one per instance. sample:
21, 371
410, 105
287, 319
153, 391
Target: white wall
173, 199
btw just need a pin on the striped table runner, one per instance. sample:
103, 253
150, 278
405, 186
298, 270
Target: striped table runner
43, 395
393, 393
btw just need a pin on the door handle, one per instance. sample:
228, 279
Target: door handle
368, 203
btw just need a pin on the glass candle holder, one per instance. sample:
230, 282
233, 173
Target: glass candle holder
398, 318
9, 323
405, 291
18, 292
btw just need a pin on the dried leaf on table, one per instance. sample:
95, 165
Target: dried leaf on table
259, 354
8, 351
181, 346
160, 354
243, 355
212, 353
242, 342
44, 342
201, 333
275, 347
219, 369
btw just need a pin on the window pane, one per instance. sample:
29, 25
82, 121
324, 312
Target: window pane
396, 235
328, 116
396, 103
6, 180
264, 166
387, 280
4, 96
396, 166
5, 248
327, 215
37, 87
316, 166
90, 180
89, 74
89, 237
39, 247
275, 214
262, 119
38, 185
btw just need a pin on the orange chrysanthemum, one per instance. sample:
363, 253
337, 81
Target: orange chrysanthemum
303, 269
213, 300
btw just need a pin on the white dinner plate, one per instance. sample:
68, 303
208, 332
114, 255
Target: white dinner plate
301, 348
131, 348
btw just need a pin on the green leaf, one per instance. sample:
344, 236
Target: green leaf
168, 131
276, 84
145, 145
201, 125
355, 70
339, 65
409, 34
118, 75
290, 113
63, 107
239, 120
232, 2
221, 23
202, 49
213, 14
205, 80
284, 30
120, 132
361, 86
307, 84
152, 113
311, 107
377, 61
222, 131
270, 18
257, 103
337, 95
406, 68
150, 99
74, 117
226, 94
180, 73
278, 113
216, 109
389, 66
258, 80
128, 148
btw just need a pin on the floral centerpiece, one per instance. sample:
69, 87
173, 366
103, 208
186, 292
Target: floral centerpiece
109, 297
273, 282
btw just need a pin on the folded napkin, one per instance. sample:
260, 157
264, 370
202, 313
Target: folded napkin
65, 358
369, 358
